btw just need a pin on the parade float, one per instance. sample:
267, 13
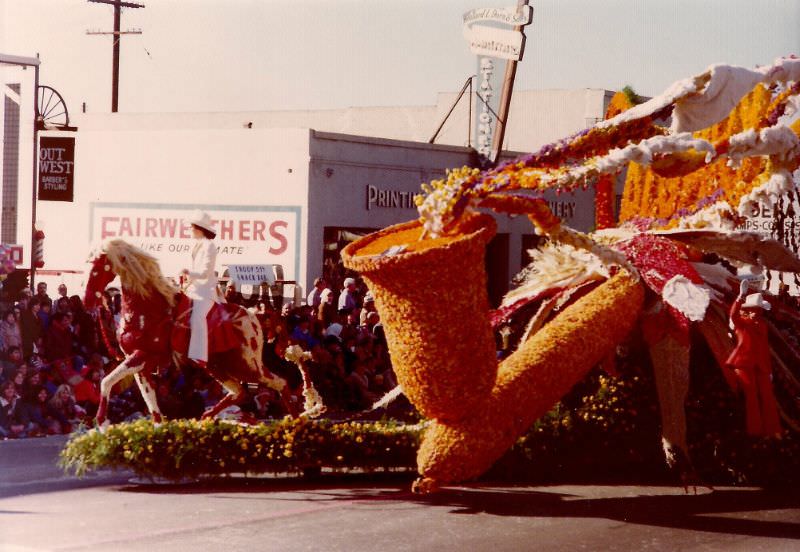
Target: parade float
669, 271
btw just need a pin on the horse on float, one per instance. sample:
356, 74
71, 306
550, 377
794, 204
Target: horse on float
154, 332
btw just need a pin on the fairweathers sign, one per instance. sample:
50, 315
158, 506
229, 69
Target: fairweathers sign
245, 235
56, 168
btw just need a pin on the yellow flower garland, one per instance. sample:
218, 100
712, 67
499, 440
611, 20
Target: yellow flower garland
650, 195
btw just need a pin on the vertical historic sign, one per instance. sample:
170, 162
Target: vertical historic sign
56, 168
498, 49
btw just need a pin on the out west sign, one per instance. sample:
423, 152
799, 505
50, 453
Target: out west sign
56, 168
245, 235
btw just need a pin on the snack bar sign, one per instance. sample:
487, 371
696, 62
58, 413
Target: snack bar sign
56, 168
247, 237
253, 275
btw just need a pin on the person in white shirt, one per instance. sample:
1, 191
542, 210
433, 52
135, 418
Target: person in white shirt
314, 297
202, 279
347, 298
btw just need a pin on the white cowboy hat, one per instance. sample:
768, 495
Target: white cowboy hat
201, 219
756, 300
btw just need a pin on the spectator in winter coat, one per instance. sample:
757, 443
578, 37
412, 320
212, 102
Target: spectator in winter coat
14, 421
39, 413
10, 332
31, 326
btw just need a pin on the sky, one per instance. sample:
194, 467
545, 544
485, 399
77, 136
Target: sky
253, 55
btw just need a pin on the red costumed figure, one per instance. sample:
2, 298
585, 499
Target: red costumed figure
751, 365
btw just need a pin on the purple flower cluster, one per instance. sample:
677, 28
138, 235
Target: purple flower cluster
646, 223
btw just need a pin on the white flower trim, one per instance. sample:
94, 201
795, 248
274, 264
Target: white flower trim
779, 183
617, 159
718, 216
686, 297
295, 353
313, 405
779, 141
698, 100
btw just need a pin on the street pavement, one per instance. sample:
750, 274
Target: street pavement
41, 508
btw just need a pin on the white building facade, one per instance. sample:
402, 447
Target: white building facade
286, 195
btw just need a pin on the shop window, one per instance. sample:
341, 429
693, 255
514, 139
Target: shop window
336, 238
497, 268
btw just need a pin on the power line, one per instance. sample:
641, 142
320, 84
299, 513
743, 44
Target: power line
118, 5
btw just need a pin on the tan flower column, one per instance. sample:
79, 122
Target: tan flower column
530, 382
432, 300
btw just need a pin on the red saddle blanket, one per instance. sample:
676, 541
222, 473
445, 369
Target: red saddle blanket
221, 333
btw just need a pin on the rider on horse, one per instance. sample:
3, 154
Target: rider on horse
202, 279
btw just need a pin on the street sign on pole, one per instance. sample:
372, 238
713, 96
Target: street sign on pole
499, 43
512, 15
493, 42
490, 73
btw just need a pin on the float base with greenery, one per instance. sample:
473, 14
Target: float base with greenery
605, 429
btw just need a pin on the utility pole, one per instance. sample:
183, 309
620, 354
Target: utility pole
505, 99
117, 34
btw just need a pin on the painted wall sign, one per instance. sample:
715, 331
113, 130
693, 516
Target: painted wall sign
56, 168
392, 199
763, 219
565, 210
245, 235
781, 224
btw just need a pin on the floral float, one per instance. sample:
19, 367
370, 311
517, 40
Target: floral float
661, 267
733, 143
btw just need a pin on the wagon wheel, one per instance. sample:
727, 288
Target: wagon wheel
51, 110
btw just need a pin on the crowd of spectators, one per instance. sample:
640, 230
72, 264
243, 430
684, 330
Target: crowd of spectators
350, 365
54, 354
51, 363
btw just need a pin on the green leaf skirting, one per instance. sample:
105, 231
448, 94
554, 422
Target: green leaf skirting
180, 449
607, 428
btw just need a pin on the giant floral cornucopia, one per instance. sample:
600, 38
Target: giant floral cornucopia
665, 268
671, 262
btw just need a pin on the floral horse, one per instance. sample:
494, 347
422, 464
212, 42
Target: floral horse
154, 331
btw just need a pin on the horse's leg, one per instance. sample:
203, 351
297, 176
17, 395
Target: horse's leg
252, 354
282, 387
131, 365
235, 396
148, 391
